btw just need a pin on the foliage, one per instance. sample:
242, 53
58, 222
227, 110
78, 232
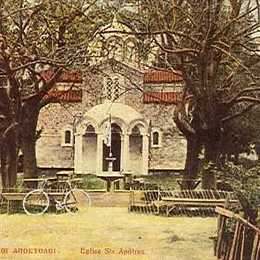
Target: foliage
35, 37
245, 183
214, 46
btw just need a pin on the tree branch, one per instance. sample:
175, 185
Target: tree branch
242, 92
178, 33
238, 114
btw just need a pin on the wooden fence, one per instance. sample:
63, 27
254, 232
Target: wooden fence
235, 245
179, 202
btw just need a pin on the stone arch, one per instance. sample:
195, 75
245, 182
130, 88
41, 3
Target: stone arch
82, 125
141, 124
136, 130
114, 120
90, 128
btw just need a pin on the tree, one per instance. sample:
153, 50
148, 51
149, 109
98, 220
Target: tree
240, 135
214, 45
38, 36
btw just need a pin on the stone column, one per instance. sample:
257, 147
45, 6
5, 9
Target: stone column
99, 158
78, 163
145, 153
125, 165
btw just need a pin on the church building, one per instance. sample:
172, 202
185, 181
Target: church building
136, 103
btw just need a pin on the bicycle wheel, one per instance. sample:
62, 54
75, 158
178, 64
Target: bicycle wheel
77, 200
36, 202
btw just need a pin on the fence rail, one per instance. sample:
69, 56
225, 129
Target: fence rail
236, 245
179, 202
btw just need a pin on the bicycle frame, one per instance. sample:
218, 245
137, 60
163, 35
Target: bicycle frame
46, 195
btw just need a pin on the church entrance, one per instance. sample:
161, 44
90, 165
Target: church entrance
129, 140
115, 149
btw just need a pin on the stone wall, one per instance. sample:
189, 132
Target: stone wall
172, 152
51, 151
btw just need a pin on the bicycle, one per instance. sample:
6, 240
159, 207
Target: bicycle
71, 199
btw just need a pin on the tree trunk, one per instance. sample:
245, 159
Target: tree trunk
29, 158
191, 164
209, 178
9, 162
212, 145
193, 146
28, 141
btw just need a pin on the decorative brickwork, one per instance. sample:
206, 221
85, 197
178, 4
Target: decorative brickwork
162, 76
70, 95
162, 97
68, 76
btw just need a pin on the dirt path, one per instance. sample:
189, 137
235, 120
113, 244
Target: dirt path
106, 233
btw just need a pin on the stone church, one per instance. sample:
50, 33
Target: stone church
137, 103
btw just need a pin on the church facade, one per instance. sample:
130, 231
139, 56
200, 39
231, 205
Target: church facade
136, 103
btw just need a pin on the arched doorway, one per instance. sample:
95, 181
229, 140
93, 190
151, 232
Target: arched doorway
89, 148
136, 149
115, 149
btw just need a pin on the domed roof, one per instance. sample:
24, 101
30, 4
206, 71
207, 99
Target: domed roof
117, 110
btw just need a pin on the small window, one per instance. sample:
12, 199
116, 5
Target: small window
67, 137
156, 138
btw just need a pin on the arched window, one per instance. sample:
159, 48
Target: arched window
90, 129
67, 137
136, 130
114, 46
156, 138
131, 50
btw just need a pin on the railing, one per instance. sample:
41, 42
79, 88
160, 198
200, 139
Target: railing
179, 202
236, 245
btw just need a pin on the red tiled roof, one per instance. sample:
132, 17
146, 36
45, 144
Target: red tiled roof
68, 76
64, 96
162, 76
162, 97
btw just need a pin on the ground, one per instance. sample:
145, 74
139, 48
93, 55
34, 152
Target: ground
106, 233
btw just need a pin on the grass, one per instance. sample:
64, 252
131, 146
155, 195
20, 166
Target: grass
107, 231
166, 182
